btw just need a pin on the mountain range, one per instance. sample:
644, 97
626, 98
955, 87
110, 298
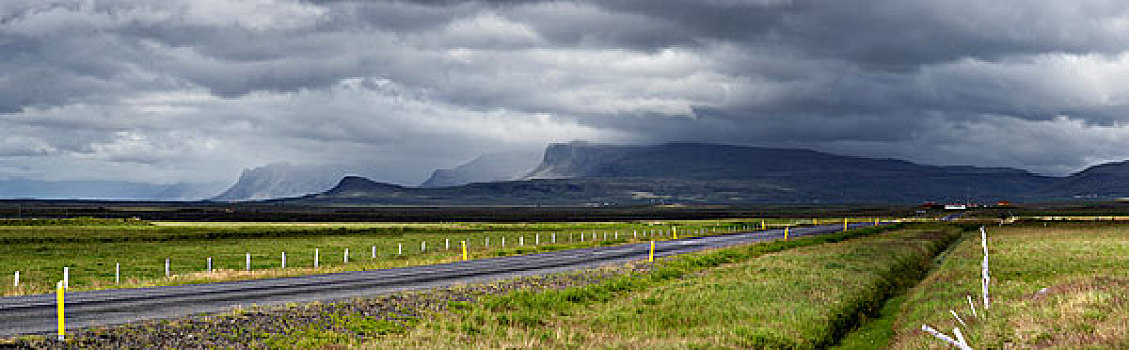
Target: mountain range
581, 173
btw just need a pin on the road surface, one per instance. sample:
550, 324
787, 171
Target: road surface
35, 314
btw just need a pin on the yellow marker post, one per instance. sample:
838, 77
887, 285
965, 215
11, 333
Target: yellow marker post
464, 250
875, 221
785, 233
815, 221
844, 224
652, 251
763, 226
674, 230
59, 290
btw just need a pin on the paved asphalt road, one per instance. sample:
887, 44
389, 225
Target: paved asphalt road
36, 313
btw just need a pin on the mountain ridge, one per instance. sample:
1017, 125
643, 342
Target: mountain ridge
581, 173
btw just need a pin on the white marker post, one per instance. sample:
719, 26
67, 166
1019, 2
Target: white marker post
554, 238
503, 241
971, 306
209, 264
537, 239
958, 318
399, 249
423, 246
248, 264
959, 344
117, 273
67, 277
487, 245
167, 272
374, 252
985, 278
284, 260
16, 280
345, 257
317, 257
521, 241
447, 243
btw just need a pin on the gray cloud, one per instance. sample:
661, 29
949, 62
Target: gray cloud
195, 90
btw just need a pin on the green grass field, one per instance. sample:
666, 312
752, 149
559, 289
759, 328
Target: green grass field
40, 249
1063, 286
800, 294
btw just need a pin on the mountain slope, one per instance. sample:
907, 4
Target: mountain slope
1110, 180
486, 168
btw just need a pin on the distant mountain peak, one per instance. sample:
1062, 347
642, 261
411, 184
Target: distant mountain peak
279, 180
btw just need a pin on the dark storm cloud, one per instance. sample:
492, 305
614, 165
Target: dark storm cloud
184, 90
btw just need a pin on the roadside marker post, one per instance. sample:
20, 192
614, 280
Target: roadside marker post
521, 241
815, 221
503, 241
118, 273
374, 251
635, 234
464, 251
167, 272
67, 276
16, 280
652, 251
537, 239
284, 260
399, 249
346, 256
423, 246
317, 257
616, 234
674, 232
60, 290
248, 264
487, 243
447, 243
844, 224
554, 238
785, 233
209, 264
763, 227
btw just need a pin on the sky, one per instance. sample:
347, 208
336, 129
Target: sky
167, 91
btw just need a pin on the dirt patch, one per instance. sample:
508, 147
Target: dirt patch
1078, 286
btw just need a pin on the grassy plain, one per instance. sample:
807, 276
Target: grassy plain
1061, 286
782, 294
39, 249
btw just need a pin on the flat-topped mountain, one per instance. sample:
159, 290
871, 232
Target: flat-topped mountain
709, 161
